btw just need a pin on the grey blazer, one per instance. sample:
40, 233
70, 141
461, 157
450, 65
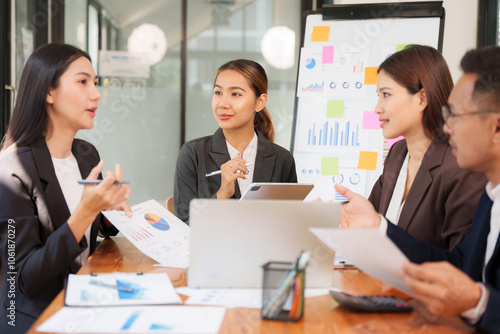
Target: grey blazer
33, 216
197, 157
440, 205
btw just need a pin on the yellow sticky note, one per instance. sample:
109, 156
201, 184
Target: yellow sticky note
400, 47
367, 160
330, 166
371, 75
335, 109
320, 34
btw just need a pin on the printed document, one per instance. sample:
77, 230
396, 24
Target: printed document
156, 232
370, 251
135, 319
120, 289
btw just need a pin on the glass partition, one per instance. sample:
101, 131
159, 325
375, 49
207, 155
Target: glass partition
139, 115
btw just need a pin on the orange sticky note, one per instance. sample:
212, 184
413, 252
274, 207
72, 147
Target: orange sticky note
371, 75
367, 160
320, 34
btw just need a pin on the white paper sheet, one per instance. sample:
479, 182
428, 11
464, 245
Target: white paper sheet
370, 251
233, 298
135, 319
147, 289
156, 232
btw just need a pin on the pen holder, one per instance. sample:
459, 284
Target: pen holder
282, 292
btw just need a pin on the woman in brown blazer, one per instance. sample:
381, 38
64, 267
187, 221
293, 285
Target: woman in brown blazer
422, 189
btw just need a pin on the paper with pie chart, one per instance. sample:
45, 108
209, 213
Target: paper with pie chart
156, 232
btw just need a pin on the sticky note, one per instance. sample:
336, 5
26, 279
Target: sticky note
335, 109
370, 120
320, 34
392, 141
330, 166
400, 47
327, 54
371, 75
367, 160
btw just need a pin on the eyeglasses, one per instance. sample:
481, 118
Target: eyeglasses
448, 116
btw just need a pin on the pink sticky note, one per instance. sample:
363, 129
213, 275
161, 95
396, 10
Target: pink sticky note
370, 120
391, 142
327, 54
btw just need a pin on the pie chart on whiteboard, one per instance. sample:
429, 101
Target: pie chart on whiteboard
157, 222
310, 63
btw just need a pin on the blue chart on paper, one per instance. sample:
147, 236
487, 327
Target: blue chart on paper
330, 134
159, 326
310, 63
137, 294
157, 222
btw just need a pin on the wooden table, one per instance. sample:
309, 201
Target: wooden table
320, 313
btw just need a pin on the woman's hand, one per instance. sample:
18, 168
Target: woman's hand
230, 172
358, 213
96, 198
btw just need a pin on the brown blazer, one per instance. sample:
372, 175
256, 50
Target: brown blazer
441, 202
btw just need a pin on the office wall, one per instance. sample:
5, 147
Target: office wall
459, 32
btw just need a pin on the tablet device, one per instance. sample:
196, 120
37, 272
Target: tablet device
290, 191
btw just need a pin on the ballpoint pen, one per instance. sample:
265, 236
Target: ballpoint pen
99, 181
111, 286
217, 172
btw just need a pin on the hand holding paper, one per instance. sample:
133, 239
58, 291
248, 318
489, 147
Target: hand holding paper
370, 251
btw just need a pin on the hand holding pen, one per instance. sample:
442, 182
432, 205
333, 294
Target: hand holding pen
111, 192
231, 171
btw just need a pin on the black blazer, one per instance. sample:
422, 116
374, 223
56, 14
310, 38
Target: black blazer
442, 200
467, 256
200, 156
33, 223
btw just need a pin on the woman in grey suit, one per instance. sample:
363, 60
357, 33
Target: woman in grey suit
242, 148
422, 189
48, 222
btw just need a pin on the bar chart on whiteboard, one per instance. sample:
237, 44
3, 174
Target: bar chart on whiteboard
337, 137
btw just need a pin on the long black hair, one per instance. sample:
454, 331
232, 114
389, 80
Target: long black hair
41, 73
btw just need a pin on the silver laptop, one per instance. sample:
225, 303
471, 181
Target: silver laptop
230, 240
290, 191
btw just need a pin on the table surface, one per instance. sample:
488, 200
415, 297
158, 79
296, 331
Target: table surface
320, 313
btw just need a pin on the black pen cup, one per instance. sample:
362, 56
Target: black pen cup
282, 292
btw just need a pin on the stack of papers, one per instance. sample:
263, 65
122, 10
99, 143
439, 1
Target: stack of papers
114, 303
120, 289
135, 319
156, 232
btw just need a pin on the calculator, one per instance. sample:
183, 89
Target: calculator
370, 303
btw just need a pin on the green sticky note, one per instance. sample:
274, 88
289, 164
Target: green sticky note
330, 166
400, 47
335, 109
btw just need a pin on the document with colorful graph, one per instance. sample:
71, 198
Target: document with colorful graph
135, 319
156, 232
116, 289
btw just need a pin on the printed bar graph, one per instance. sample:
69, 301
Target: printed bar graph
330, 133
317, 88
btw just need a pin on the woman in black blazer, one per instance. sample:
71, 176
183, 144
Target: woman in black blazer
48, 222
242, 148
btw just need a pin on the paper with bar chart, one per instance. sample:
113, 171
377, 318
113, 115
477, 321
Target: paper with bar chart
135, 319
120, 289
337, 136
156, 232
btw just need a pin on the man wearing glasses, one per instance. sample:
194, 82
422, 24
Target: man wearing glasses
466, 280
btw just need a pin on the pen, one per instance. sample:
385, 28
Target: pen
99, 181
217, 172
111, 286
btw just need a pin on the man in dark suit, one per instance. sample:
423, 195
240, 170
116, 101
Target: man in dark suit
467, 281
